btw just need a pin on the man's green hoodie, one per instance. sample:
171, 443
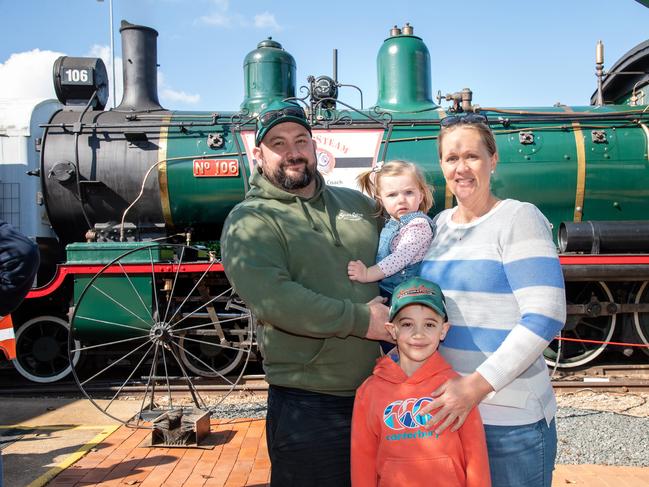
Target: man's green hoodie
287, 257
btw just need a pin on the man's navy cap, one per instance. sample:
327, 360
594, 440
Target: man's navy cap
279, 112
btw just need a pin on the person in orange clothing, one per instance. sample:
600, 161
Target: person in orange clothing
391, 446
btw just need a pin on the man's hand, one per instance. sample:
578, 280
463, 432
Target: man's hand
378, 318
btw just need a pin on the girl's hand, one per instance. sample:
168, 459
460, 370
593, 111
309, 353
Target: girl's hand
357, 271
454, 400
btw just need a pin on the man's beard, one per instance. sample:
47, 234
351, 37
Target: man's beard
289, 182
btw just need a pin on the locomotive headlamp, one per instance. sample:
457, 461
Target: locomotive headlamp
77, 78
324, 87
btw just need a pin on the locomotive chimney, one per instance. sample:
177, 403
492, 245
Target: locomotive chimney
140, 63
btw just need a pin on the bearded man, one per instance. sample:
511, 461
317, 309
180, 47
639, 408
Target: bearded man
285, 249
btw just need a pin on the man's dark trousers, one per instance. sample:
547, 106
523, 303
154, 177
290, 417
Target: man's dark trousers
308, 437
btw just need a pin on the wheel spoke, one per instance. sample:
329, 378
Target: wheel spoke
238, 318
150, 381
197, 309
600, 330
112, 364
74, 350
191, 292
148, 312
129, 376
164, 361
219, 345
206, 365
192, 389
121, 305
121, 325
582, 345
173, 286
155, 288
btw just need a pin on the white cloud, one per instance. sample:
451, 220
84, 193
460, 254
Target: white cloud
218, 19
223, 17
28, 75
222, 4
179, 96
266, 20
168, 94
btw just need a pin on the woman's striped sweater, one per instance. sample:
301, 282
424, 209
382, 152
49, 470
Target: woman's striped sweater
506, 301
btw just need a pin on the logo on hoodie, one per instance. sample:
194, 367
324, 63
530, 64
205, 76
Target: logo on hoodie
404, 414
345, 215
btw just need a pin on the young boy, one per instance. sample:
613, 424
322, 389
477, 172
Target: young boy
391, 446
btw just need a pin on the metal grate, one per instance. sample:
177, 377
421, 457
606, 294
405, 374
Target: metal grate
10, 203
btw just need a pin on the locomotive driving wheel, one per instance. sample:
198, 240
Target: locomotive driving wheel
641, 320
569, 354
41, 344
159, 319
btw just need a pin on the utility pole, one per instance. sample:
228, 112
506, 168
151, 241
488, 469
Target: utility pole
112, 49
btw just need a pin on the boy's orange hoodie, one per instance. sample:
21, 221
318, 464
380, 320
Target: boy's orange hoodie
390, 445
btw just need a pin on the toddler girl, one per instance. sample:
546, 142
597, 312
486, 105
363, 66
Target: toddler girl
400, 190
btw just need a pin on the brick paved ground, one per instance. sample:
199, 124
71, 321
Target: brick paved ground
238, 457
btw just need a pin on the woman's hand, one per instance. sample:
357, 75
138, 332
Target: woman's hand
455, 399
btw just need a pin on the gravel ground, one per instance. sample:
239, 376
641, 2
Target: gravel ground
603, 428
603, 438
593, 428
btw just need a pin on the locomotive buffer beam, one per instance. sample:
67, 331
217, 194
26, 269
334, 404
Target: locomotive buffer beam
605, 272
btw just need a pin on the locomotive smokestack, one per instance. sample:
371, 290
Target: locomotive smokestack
140, 63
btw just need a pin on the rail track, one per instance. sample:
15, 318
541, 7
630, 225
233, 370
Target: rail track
614, 378
252, 382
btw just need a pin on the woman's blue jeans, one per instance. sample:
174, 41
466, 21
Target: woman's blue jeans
522, 456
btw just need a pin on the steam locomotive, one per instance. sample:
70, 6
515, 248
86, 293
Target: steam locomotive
130, 203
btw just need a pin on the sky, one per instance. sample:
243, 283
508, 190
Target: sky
509, 53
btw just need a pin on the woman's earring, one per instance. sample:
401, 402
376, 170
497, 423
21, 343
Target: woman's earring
493, 171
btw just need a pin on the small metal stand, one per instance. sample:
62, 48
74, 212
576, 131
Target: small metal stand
180, 427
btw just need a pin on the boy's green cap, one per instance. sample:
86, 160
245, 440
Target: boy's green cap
418, 290
279, 112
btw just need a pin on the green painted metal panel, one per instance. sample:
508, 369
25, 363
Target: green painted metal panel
202, 203
113, 308
554, 166
617, 176
105, 252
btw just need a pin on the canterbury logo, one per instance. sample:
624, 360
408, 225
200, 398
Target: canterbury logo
404, 414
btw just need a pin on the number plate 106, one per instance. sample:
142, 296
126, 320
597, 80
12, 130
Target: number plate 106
215, 168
